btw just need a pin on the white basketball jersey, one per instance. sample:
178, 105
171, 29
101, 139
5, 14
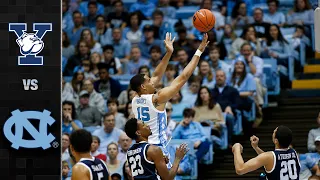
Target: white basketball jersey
144, 110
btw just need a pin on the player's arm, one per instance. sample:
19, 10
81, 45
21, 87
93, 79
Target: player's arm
156, 155
168, 92
253, 164
254, 143
161, 68
80, 172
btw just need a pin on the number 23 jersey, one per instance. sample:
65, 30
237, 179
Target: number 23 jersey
143, 109
140, 166
286, 165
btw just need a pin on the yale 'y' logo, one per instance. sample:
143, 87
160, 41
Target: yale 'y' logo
30, 44
20, 120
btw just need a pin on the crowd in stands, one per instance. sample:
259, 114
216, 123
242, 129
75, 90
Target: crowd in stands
106, 42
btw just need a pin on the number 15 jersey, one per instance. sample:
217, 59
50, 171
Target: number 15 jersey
143, 109
140, 166
286, 165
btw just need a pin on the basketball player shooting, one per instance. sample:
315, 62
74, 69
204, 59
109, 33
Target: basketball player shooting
280, 164
149, 105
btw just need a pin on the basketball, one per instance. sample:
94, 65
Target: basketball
203, 20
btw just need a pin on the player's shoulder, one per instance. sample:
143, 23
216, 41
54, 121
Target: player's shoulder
80, 167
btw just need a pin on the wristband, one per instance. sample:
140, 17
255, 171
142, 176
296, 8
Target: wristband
198, 53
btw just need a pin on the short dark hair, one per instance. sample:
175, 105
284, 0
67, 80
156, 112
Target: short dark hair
275, 1
116, 175
107, 115
155, 48
188, 112
102, 66
81, 140
96, 138
113, 100
108, 47
284, 136
92, 3
131, 127
245, 44
136, 81
157, 12
193, 79
76, 12
73, 107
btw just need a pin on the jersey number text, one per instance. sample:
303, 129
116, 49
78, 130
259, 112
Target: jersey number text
136, 167
288, 170
143, 113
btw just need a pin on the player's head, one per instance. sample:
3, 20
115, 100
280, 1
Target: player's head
80, 142
282, 137
137, 129
142, 84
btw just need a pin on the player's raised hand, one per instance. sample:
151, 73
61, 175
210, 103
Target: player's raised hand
254, 141
237, 146
168, 42
204, 42
182, 151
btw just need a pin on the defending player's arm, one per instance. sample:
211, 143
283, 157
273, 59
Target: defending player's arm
161, 68
254, 143
264, 159
155, 153
80, 172
168, 92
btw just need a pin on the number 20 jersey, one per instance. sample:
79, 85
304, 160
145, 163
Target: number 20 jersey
140, 166
286, 165
143, 109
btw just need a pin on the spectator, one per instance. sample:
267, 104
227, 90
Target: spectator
67, 22
106, 85
227, 97
94, 149
83, 8
95, 59
125, 97
220, 19
188, 129
135, 62
113, 105
182, 58
129, 113
67, 48
65, 170
68, 118
107, 133
208, 112
115, 66
101, 33
90, 19
259, 24
127, 175
313, 133
301, 14
178, 106
116, 176
170, 74
160, 27
190, 94
124, 144
149, 41
254, 65
82, 52
171, 124
183, 42
299, 37
308, 164
86, 68
144, 70
74, 33
122, 46
145, 7
76, 83
67, 94
95, 99
216, 63
206, 74
314, 157
65, 145
169, 12
155, 58
276, 46
87, 36
184, 165
228, 37
88, 115
119, 17
274, 16
114, 165
239, 15
249, 35
132, 32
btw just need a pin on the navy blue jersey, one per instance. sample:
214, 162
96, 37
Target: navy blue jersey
140, 166
98, 169
286, 165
